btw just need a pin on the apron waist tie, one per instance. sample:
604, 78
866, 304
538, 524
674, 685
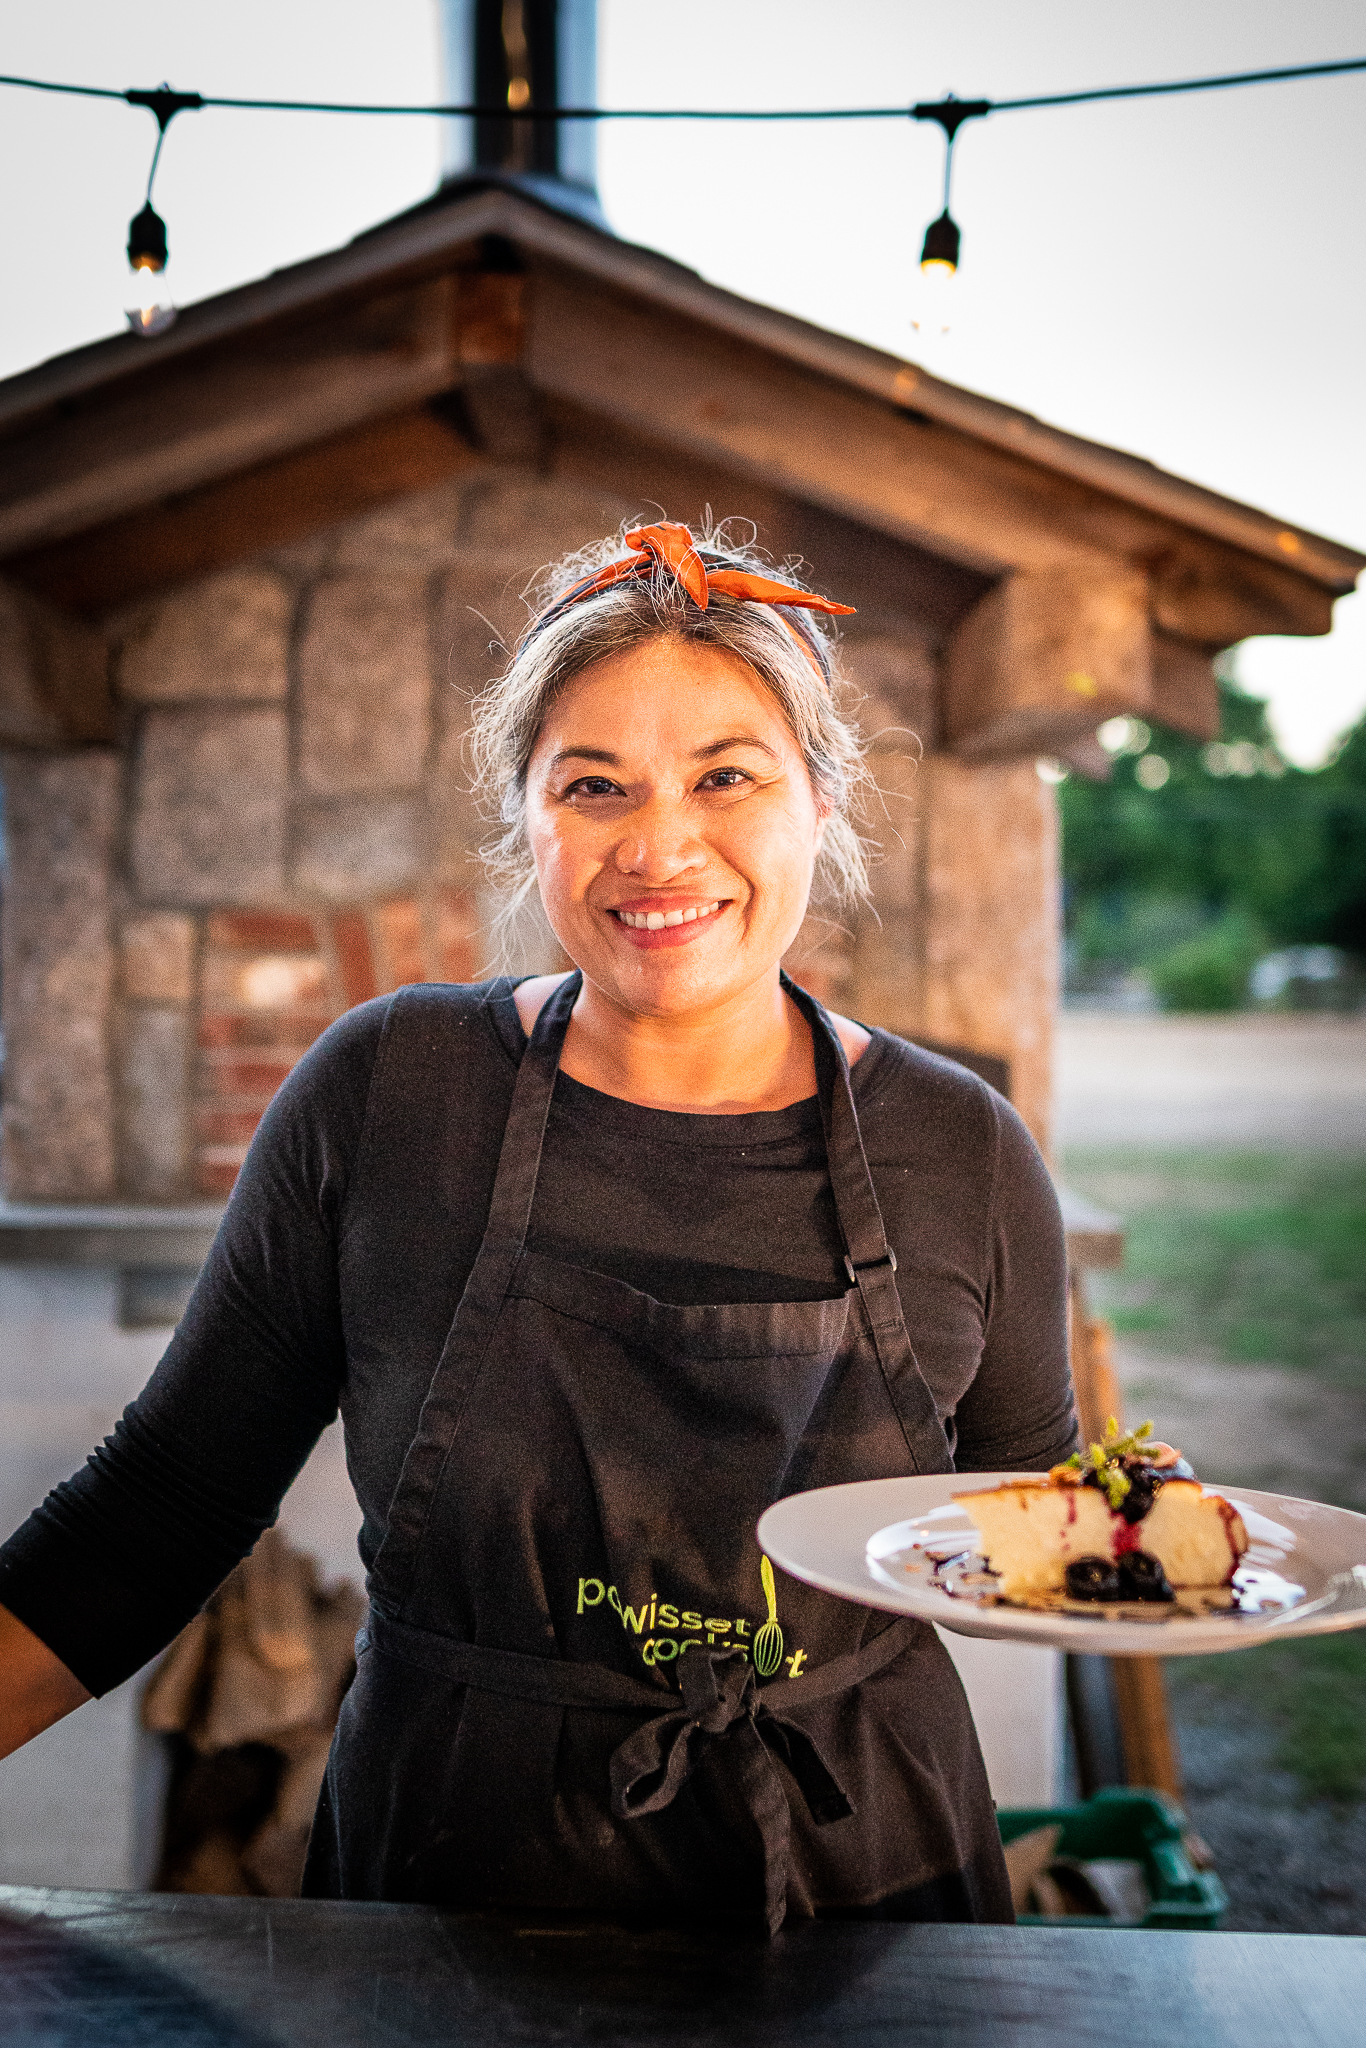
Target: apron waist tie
720, 1698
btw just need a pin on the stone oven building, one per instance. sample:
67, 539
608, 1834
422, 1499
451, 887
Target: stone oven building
249, 576
250, 573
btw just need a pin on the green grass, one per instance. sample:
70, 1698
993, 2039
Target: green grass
1312, 1694
1252, 1257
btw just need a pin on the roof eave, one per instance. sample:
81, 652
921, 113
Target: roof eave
423, 241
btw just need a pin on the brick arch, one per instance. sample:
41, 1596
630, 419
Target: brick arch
271, 981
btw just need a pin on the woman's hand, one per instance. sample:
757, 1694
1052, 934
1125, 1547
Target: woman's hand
36, 1688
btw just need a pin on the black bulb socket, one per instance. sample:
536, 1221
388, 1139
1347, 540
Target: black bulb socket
147, 246
942, 241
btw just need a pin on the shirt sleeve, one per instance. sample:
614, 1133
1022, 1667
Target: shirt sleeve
118, 1558
1019, 1415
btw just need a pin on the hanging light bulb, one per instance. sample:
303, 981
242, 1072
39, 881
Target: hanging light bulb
943, 238
943, 241
148, 254
938, 268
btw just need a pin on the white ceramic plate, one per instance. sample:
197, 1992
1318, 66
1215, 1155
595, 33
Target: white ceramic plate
877, 1543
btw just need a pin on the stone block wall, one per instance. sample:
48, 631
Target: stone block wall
284, 829
56, 971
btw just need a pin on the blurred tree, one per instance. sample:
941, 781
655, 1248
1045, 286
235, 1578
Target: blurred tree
1223, 847
1335, 884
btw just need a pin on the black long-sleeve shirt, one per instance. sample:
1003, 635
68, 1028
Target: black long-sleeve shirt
318, 1295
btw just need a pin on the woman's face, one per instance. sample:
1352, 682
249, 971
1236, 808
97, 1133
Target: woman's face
673, 825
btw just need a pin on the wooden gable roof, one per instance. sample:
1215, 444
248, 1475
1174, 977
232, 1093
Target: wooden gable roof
485, 323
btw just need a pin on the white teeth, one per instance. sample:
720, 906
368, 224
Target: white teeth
657, 920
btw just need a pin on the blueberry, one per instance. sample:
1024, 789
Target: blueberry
1144, 1486
1092, 1578
1141, 1577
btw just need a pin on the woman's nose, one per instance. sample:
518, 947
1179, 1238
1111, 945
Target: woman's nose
659, 844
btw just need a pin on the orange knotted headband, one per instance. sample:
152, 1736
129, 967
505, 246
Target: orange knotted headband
671, 547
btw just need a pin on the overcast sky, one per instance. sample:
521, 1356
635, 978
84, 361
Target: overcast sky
1181, 278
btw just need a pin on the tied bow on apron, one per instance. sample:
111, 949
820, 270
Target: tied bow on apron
722, 1700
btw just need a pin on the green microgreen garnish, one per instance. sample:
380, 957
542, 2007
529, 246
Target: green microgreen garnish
1116, 1484
1106, 1458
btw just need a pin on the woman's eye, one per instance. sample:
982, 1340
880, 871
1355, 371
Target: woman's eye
725, 778
593, 785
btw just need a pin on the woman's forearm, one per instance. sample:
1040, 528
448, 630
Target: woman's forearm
36, 1688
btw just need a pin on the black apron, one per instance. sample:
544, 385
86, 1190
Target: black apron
581, 1690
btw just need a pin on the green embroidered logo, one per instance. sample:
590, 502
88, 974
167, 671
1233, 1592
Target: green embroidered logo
768, 1644
689, 1629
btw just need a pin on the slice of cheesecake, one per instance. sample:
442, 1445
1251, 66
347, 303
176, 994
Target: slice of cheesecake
1198, 1538
1032, 1530
1128, 1522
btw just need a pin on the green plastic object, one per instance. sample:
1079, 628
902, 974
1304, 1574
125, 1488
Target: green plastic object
1132, 1826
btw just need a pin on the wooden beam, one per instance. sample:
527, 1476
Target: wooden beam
1095, 1236
1150, 1753
714, 397
54, 684
212, 417
1185, 689
452, 231
893, 584
668, 380
1043, 659
1211, 595
491, 317
268, 506
1090, 1341
201, 415
966, 950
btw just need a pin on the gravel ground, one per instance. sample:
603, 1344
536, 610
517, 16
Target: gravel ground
1244, 1080
1252, 1425
1290, 1866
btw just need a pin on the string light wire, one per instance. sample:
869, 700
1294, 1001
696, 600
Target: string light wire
936, 110
147, 245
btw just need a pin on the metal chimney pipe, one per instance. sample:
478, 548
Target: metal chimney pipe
518, 53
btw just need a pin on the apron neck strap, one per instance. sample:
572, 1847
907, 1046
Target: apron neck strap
868, 1258
519, 1163
856, 1203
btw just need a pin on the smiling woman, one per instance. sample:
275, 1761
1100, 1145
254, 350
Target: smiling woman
677, 875
792, 657
672, 777
598, 1266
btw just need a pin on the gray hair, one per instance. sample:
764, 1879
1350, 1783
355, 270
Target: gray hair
791, 652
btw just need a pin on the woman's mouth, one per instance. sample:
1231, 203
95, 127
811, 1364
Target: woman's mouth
675, 925
663, 920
